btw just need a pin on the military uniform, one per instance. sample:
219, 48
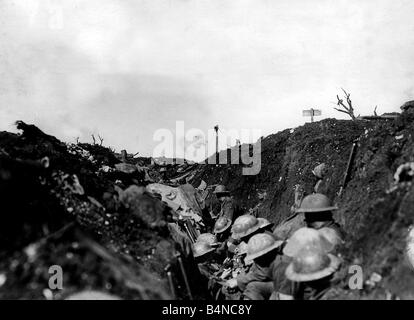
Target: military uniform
263, 283
333, 225
229, 209
257, 283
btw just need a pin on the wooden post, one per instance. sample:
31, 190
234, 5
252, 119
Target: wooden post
217, 152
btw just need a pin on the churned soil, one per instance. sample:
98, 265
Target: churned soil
74, 213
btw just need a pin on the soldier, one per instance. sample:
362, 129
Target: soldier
317, 209
222, 231
311, 271
322, 182
204, 255
212, 241
222, 228
245, 227
307, 237
265, 280
333, 237
229, 208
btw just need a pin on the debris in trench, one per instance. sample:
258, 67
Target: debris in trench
404, 173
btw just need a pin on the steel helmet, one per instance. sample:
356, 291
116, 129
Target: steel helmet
264, 223
311, 264
207, 237
221, 190
331, 235
260, 244
244, 225
306, 237
221, 225
201, 248
316, 202
319, 171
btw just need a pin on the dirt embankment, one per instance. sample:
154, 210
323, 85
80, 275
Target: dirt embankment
374, 210
71, 209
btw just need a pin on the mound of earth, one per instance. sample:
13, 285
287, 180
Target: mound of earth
71, 207
375, 209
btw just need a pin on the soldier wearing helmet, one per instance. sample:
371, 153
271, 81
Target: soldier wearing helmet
228, 206
307, 237
205, 257
317, 209
258, 284
311, 271
245, 227
222, 231
222, 227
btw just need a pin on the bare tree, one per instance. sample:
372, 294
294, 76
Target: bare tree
375, 111
77, 140
100, 139
93, 138
346, 107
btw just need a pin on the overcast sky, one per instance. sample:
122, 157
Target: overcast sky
126, 68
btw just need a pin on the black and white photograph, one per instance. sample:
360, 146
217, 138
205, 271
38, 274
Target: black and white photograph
218, 152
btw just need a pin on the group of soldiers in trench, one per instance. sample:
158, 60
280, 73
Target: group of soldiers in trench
245, 258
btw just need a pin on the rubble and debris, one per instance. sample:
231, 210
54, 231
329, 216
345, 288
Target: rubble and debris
54, 210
